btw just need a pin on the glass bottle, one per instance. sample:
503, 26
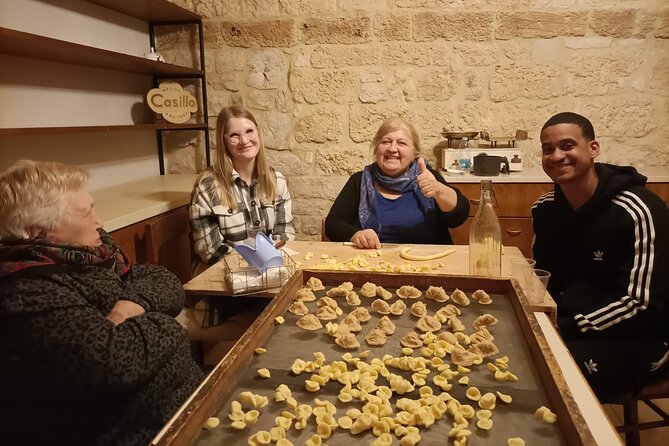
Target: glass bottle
485, 237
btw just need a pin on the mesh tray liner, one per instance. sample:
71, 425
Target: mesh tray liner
287, 342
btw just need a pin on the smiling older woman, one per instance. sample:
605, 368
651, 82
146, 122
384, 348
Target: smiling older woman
398, 198
90, 352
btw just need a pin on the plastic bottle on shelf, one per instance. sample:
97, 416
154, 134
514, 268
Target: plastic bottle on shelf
485, 237
464, 155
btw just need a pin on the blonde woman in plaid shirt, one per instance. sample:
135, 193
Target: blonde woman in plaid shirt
240, 194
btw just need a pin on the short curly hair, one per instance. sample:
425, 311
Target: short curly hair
33, 193
572, 118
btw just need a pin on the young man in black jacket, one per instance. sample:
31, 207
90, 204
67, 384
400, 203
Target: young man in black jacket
605, 239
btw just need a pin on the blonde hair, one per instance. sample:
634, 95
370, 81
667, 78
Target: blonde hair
222, 168
393, 124
33, 193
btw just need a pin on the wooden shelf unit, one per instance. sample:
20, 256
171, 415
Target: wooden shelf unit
156, 13
97, 128
19, 43
149, 10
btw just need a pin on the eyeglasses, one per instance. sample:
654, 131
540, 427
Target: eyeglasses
236, 138
385, 143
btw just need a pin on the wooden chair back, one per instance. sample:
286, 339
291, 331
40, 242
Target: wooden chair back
647, 394
324, 237
168, 240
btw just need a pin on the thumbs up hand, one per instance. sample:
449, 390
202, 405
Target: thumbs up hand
421, 166
427, 183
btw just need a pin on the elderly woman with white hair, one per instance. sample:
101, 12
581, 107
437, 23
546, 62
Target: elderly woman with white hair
90, 352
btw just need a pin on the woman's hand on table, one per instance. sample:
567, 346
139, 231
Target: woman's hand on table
124, 309
366, 238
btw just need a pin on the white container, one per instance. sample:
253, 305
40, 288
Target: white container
449, 155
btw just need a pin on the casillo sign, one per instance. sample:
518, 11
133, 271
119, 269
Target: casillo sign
171, 101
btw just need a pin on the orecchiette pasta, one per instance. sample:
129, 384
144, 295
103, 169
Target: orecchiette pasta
460, 298
326, 314
437, 294
428, 323
368, 290
408, 292
397, 308
315, 284
352, 298
376, 337
327, 301
411, 340
482, 297
337, 292
348, 341
381, 306
386, 326
485, 320
362, 314
419, 309
309, 322
298, 308
305, 294
383, 293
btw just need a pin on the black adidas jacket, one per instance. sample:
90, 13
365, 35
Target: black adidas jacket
609, 259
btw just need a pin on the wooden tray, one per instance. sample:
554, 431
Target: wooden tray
517, 335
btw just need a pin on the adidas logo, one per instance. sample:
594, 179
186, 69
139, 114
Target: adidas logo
598, 256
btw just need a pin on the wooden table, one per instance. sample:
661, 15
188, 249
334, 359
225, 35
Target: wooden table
211, 282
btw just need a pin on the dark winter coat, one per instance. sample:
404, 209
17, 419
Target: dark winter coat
69, 376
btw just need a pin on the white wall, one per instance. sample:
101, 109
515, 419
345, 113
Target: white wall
111, 158
77, 21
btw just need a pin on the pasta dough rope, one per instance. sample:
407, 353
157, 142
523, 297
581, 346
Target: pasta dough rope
404, 253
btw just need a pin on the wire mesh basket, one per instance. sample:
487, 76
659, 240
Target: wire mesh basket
244, 279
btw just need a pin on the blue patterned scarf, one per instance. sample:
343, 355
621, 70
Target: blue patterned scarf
403, 183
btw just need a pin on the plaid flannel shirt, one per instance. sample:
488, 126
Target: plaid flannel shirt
217, 228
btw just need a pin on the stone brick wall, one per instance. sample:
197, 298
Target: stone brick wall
321, 75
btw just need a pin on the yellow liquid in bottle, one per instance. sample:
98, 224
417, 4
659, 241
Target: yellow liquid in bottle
485, 256
485, 238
